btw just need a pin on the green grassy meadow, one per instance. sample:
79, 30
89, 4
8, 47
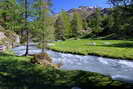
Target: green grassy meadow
18, 73
121, 49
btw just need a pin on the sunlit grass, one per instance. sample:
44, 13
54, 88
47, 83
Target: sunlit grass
10, 55
109, 48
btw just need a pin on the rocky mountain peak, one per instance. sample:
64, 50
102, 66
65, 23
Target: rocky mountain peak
86, 11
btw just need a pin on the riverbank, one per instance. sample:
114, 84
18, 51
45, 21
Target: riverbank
18, 72
119, 49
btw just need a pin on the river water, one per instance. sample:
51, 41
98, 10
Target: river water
117, 69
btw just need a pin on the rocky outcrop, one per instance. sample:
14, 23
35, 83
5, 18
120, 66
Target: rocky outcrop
2, 35
87, 11
83, 10
8, 39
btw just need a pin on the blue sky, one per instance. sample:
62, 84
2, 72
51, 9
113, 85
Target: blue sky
58, 5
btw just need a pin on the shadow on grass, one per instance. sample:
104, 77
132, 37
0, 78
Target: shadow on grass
121, 45
15, 74
23, 75
5, 54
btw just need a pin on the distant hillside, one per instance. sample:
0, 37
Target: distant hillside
86, 11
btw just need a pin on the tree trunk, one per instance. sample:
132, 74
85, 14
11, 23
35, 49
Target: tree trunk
27, 32
43, 44
27, 44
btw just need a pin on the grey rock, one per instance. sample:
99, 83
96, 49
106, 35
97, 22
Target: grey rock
76, 88
92, 44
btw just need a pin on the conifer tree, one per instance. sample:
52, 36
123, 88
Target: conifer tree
77, 25
96, 22
63, 26
67, 24
44, 22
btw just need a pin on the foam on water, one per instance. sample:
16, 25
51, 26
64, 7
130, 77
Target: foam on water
126, 63
102, 60
122, 78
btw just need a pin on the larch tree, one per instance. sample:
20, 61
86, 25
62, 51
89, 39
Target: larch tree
123, 16
96, 22
59, 29
11, 15
77, 25
26, 26
44, 22
63, 26
67, 25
